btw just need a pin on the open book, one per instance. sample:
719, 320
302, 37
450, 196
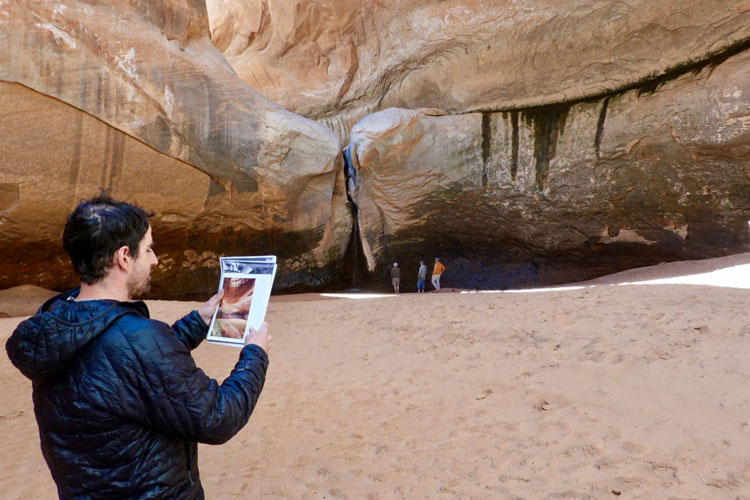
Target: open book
247, 283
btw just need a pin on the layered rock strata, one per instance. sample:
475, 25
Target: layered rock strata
132, 96
550, 194
339, 61
556, 154
577, 137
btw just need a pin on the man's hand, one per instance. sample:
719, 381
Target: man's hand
207, 309
260, 337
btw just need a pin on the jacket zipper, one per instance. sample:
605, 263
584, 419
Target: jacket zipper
189, 463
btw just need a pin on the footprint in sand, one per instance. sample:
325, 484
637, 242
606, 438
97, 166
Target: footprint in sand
543, 405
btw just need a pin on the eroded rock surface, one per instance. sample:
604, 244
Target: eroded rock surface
403, 159
533, 139
334, 60
133, 97
555, 155
565, 192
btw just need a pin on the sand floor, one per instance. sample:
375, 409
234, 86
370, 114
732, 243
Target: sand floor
596, 391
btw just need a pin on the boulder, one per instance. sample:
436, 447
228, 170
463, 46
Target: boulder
552, 194
132, 97
409, 168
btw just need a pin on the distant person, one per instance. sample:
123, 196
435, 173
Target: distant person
421, 277
395, 276
118, 399
437, 270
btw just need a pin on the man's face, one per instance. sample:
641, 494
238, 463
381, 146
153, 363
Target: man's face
139, 280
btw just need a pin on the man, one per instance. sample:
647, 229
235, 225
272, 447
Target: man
395, 277
421, 277
118, 399
437, 270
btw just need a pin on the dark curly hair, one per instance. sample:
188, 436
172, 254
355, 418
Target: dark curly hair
96, 229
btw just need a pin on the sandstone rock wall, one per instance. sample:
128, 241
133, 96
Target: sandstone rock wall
163, 116
550, 194
339, 61
576, 134
567, 164
53, 155
402, 159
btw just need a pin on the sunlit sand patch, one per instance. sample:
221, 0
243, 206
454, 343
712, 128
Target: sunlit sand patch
529, 290
728, 277
357, 295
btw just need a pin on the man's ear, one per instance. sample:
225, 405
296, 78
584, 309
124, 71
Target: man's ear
122, 257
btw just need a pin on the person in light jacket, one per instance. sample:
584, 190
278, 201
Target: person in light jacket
421, 276
395, 277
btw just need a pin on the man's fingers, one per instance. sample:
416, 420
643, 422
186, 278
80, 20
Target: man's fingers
207, 309
217, 297
262, 331
259, 337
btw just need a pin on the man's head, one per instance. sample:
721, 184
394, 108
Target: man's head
395, 264
102, 230
421, 262
437, 259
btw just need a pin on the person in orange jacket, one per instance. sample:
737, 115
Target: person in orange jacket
437, 270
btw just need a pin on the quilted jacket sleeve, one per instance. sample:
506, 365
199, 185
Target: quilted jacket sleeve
190, 330
170, 393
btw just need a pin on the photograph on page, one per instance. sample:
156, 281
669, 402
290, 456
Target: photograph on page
247, 283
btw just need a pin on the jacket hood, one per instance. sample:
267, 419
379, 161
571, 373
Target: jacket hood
43, 346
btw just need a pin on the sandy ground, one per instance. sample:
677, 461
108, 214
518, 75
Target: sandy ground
596, 391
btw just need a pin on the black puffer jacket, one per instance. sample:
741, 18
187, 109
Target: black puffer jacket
119, 401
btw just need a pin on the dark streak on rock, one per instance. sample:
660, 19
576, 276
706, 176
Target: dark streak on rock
75, 161
107, 156
651, 85
548, 123
117, 160
486, 142
600, 128
645, 85
214, 188
354, 264
383, 233
353, 67
514, 145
